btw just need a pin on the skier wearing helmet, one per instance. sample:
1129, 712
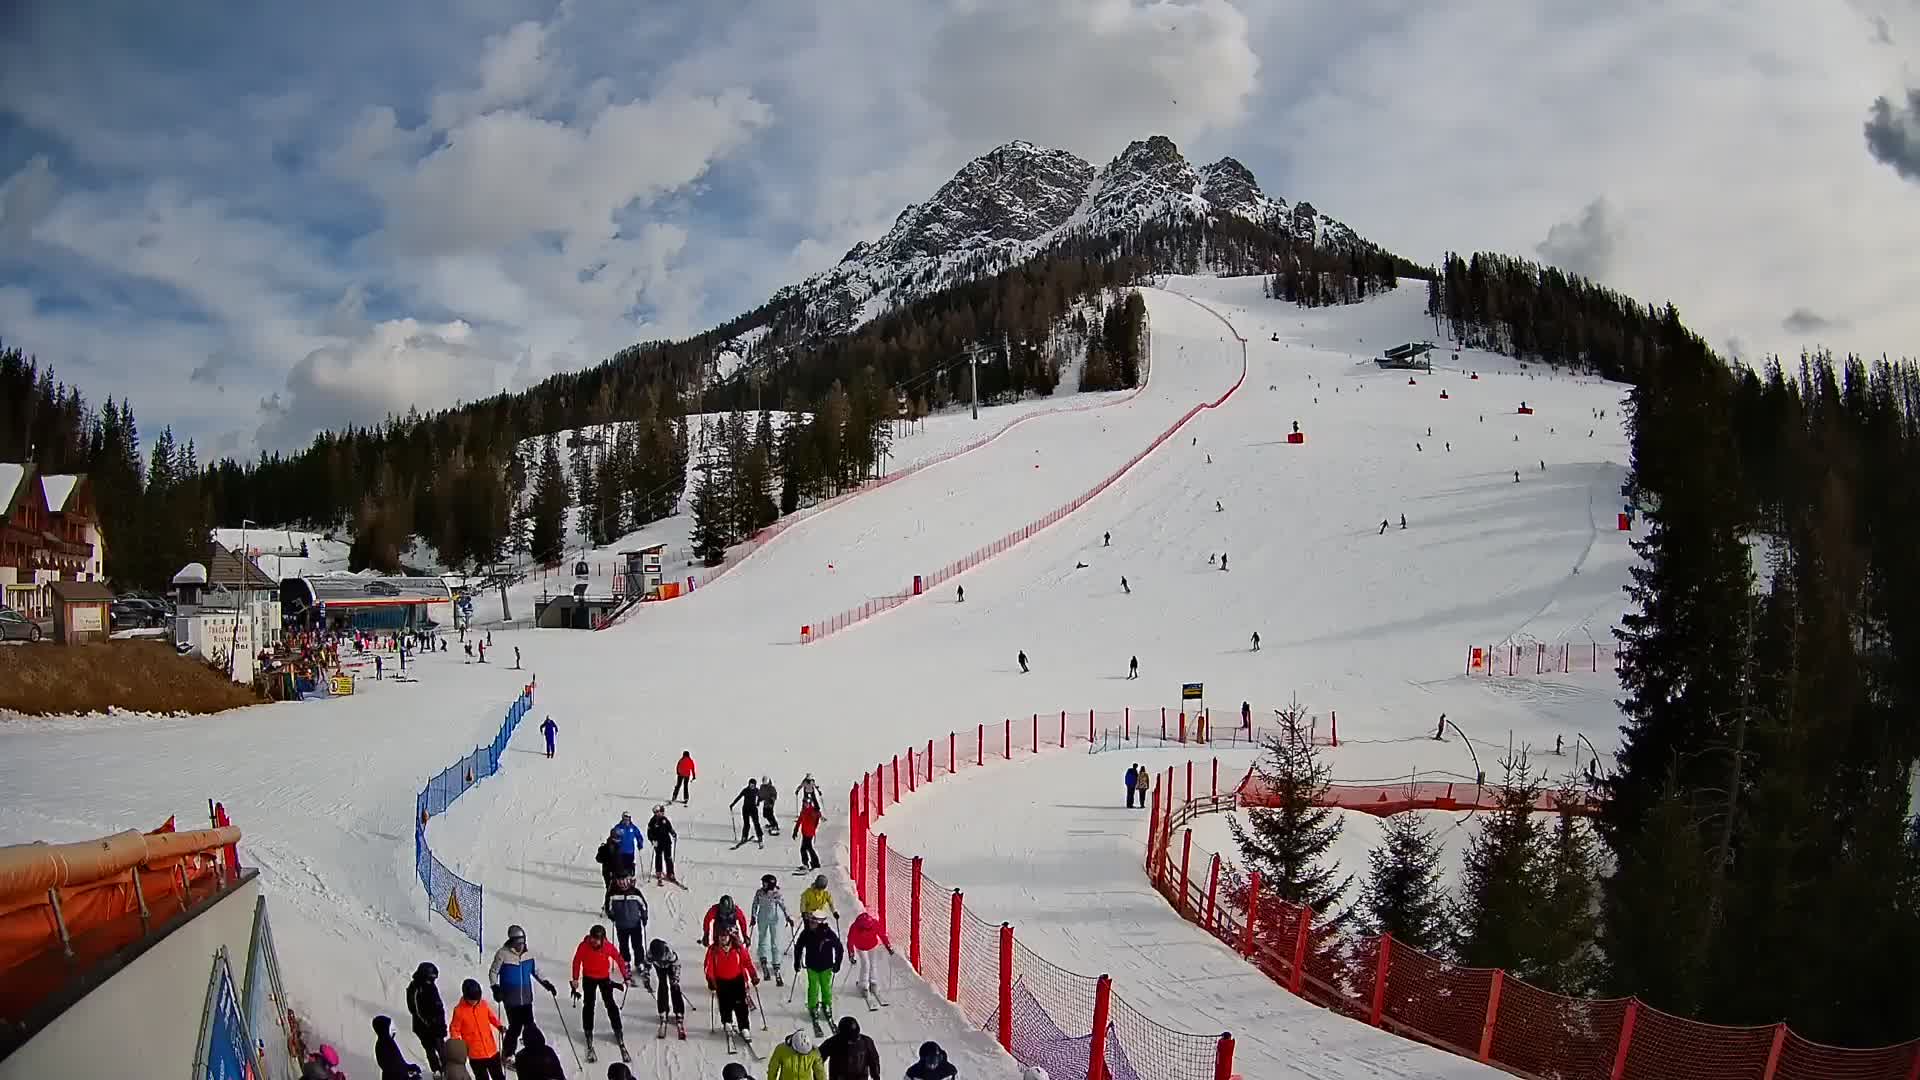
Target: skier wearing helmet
727, 916
794, 1059
768, 794
769, 911
429, 1014
472, 1027
514, 974
933, 1064
816, 902
849, 1054
660, 831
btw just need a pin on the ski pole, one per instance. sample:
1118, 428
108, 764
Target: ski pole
762, 1009
568, 1029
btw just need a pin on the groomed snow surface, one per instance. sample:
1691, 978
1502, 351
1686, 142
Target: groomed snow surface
1373, 626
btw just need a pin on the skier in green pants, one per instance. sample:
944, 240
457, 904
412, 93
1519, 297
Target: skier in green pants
818, 952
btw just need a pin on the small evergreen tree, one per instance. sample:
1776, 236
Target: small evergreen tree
1497, 914
549, 511
1402, 895
1289, 841
710, 516
1570, 920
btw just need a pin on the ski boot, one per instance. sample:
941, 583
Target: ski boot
680, 1026
591, 1057
778, 979
621, 1042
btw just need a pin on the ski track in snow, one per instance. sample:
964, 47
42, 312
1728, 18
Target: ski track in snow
1373, 626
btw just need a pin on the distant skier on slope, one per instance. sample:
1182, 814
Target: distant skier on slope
1133, 668
684, 776
1403, 521
1256, 641
1106, 539
1383, 527
806, 827
549, 729
660, 831
1223, 560
1124, 587
768, 794
959, 594
1023, 661
1133, 775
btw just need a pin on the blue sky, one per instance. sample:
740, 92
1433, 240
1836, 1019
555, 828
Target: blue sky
260, 220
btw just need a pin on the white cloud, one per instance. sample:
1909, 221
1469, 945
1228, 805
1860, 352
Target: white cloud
1585, 245
25, 199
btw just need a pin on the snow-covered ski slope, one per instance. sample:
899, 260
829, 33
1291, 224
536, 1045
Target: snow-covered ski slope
1373, 626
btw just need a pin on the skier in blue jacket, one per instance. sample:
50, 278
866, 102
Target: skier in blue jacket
548, 729
514, 975
1131, 777
630, 837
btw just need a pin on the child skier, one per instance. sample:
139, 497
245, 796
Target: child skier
865, 938
769, 905
660, 831
818, 952
666, 971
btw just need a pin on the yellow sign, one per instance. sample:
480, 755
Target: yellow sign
453, 909
1190, 691
341, 685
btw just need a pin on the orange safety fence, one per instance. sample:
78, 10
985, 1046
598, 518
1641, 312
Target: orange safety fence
1480, 1013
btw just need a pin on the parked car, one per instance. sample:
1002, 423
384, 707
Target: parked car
17, 627
138, 612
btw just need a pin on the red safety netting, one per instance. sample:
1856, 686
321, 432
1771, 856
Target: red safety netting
1476, 1012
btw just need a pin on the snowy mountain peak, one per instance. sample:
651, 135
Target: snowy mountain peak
1014, 193
1231, 189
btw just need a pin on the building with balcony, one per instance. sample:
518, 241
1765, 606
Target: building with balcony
49, 531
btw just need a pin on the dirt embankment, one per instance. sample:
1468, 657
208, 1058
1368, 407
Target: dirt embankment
136, 676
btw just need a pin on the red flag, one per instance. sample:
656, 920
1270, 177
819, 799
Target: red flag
165, 826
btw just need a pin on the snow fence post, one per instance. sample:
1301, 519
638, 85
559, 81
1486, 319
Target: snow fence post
1089, 727
896, 778
1189, 798
1153, 827
1379, 1010
1216, 777
1223, 1058
1183, 727
1126, 723
1626, 1040
980, 745
1097, 1042
1008, 749
880, 880
1773, 1052
1063, 729
912, 772
1300, 950
1493, 1017
1335, 714
880, 790
953, 948
1005, 1032
1163, 723
1253, 913
1036, 733
1213, 889
930, 761
1913, 1073
913, 935
857, 837
1186, 857
953, 743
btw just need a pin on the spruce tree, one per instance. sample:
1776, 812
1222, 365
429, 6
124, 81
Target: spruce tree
548, 514
1497, 917
1661, 955
1402, 894
1568, 960
1289, 842
711, 514
586, 487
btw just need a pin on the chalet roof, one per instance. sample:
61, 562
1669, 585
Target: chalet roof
58, 487
68, 592
11, 474
227, 569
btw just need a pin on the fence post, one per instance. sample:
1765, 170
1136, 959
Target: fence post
1097, 1042
1216, 777
1626, 1039
1005, 1032
913, 773
1153, 829
953, 744
896, 778
1253, 913
1036, 733
953, 948
1189, 780
1186, 855
1223, 1058
1126, 723
1183, 727
1773, 1052
1914, 1072
1493, 1016
1300, 941
1334, 723
1089, 727
913, 908
1379, 1010
1163, 723
1213, 889
980, 745
854, 842
1008, 735
929, 761
880, 878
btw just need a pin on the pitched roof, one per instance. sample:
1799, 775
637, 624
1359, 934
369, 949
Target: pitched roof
228, 569
58, 488
11, 474
70, 591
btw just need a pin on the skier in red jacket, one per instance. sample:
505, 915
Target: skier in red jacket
684, 777
806, 826
729, 967
596, 958
728, 915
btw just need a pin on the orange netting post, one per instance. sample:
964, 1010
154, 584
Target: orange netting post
912, 773
1005, 1033
857, 842
1377, 1013
1097, 1042
1186, 856
1223, 1058
1626, 1039
896, 778
929, 761
913, 913
1253, 913
880, 879
1493, 1013
1183, 727
953, 948
1213, 889
953, 745
1300, 941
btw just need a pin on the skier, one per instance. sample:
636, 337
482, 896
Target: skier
749, 802
1246, 707
1211, 561
959, 594
516, 658
549, 729
1217, 508
666, 970
794, 1059
1023, 661
513, 975
386, 1053
806, 827
1143, 783
727, 916
538, 1061
683, 778
864, 938
768, 793
429, 1014
729, 969
1223, 560
809, 791
1256, 641
456, 1060
1516, 476
767, 904
1403, 521
627, 909
472, 1026
378, 673
1133, 774
933, 1064
818, 952
660, 831
1106, 539
595, 958
1440, 729
1383, 527
1124, 587
850, 1055
631, 841
1133, 668
816, 900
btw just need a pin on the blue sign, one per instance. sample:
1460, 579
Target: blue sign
226, 1051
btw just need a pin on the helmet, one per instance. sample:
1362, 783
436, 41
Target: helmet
734, 1071
626, 815
725, 903
426, 971
1034, 1072
766, 779
598, 931
516, 932
769, 880
820, 882
659, 809
659, 952
470, 990
930, 1052
848, 1026
801, 1042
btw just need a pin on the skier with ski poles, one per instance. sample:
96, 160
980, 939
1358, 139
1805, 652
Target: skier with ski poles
729, 970
614, 865
769, 906
816, 900
865, 938
818, 952
749, 803
806, 826
666, 970
809, 791
768, 793
684, 776
627, 908
721, 918
660, 831
514, 974
794, 1059
596, 958
429, 1014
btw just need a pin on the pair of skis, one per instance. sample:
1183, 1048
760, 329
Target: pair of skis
619, 1040
679, 1023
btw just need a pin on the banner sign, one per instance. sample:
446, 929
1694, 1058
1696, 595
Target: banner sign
1190, 691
